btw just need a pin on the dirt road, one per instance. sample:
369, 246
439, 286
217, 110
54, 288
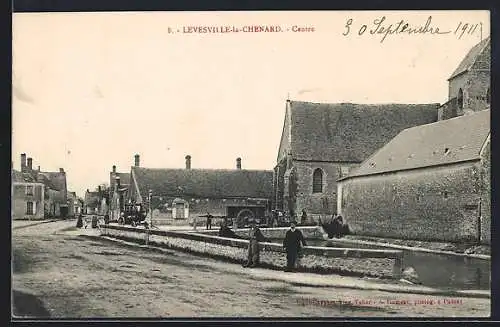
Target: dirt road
57, 274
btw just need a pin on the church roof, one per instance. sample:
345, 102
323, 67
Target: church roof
445, 142
347, 132
204, 183
471, 57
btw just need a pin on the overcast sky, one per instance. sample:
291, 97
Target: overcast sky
92, 89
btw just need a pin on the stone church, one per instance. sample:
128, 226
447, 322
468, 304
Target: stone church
322, 142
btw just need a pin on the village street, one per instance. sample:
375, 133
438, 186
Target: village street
58, 273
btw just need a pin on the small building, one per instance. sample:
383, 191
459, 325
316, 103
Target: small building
27, 196
184, 193
74, 205
469, 84
91, 202
430, 182
322, 142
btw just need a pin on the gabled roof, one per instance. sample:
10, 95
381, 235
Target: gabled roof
445, 142
471, 57
53, 180
91, 199
208, 183
346, 132
124, 179
19, 177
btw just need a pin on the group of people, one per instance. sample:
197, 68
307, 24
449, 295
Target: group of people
335, 227
292, 245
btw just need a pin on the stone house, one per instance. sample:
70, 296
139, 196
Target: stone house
55, 202
186, 193
91, 202
27, 196
431, 182
469, 84
322, 142
75, 205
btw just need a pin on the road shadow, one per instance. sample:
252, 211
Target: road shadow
26, 305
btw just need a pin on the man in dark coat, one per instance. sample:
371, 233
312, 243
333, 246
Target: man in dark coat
209, 221
292, 244
255, 237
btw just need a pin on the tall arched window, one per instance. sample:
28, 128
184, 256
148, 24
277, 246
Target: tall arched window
460, 99
488, 96
318, 181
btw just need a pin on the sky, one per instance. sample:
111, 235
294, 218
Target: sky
90, 90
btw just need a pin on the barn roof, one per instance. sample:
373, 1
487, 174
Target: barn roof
471, 57
346, 132
209, 183
445, 142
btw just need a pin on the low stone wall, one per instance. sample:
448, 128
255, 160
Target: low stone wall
309, 232
357, 262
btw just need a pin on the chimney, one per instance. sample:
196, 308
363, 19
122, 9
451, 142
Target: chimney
30, 163
61, 170
23, 161
137, 160
39, 168
238, 163
114, 169
188, 162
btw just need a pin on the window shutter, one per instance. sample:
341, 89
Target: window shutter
34, 208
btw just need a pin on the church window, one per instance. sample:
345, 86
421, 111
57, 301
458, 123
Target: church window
318, 181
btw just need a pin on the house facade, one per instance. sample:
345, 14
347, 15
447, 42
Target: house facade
323, 142
91, 202
187, 193
430, 182
55, 197
469, 84
27, 197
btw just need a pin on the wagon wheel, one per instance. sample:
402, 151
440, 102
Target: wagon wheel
243, 216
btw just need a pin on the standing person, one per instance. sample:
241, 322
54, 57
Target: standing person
209, 221
79, 222
292, 244
255, 237
303, 218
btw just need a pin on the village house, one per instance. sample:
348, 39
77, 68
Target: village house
431, 182
469, 84
75, 204
55, 200
322, 142
91, 202
188, 193
27, 196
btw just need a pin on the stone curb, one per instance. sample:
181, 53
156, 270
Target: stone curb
292, 279
414, 249
36, 223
